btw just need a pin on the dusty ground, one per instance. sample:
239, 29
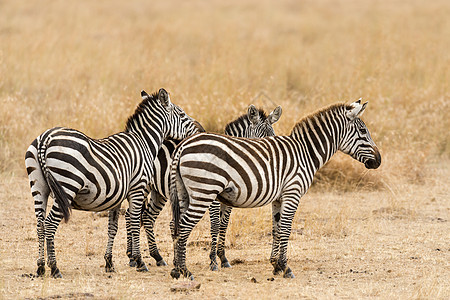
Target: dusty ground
392, 243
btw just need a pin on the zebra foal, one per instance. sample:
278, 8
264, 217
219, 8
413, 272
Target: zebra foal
98, 174
254, 124
251, 173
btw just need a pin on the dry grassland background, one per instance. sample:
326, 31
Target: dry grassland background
378, 234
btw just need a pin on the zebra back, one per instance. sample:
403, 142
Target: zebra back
254, 124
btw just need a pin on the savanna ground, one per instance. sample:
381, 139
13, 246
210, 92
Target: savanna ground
357, 234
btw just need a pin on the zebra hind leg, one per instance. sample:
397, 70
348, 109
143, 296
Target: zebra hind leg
51, 225
149, 216
40, 192
225, 212
190, 217
113, 219
214, 215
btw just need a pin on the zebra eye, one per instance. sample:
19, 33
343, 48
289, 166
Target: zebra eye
363, 130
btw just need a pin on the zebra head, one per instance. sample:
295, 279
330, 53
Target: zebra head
260, 125
357, 141
177, 124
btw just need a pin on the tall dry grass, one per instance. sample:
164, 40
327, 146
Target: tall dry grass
82, 64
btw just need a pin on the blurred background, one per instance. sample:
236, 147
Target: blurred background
82, 64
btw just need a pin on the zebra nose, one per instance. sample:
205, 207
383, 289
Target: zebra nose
376, 161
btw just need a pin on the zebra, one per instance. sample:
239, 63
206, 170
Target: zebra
98, 174
252, 173
254, 124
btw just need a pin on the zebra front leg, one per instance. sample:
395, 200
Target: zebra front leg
149, 216
112, 230
225, 212
214, 216
276, 205
136, 200
287, 212
132, 263
51, 225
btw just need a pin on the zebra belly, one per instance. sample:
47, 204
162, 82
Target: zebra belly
233, 196
97, 198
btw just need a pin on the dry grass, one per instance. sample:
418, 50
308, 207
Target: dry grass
82, 64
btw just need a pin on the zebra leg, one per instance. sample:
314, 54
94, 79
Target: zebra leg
225, 212
214, 215
149, 216
136, 199
288, 208
276, 205
132, 263
192, 215
112, 230
51, 225
40, 192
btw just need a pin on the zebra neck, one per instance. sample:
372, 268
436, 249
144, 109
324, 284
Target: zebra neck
150, 133
318, 142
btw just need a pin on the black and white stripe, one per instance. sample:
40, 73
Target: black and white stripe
251, 173
97, 175
255, 124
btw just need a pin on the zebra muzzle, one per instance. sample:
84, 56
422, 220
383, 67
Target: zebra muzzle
374, 162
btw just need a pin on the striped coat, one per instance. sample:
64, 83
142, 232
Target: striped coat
252, 173
98, 174
255, 124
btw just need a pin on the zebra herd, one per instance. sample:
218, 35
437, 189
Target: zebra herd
165, 154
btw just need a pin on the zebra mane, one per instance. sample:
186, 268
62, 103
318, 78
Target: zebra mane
333, 107
145, 103
244, 119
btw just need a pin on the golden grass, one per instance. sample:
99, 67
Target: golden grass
82, 64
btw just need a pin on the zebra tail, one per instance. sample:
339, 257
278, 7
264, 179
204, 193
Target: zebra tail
175, 181
56, 188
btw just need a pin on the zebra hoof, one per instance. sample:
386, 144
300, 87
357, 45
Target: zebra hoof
175, 273
213, 267
40, 271
109, 266
288, 273
142, 268
56, 273
226, 264
161, 263
132, 263
110, 269
187, 274
277, 269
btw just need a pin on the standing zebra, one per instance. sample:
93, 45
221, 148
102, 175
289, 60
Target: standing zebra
97, 175
255, 124
251, 173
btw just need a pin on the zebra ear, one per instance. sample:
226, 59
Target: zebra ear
144, 95
253, 114
356, 110
163, 97
275, 115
